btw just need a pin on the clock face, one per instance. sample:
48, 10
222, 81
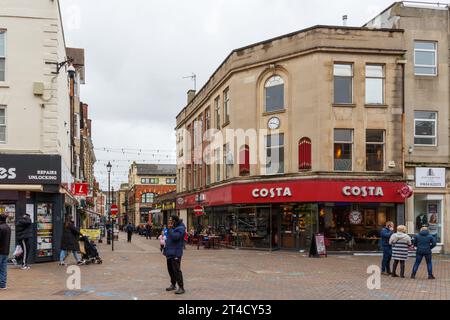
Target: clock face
274, 123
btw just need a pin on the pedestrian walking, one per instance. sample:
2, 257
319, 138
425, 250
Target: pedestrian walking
24, 234
148, 231
386, 235
5, 242
425, 243
129, 229
70, 242
400, 242
162, 241
173, 251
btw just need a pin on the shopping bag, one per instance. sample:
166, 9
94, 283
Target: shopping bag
18, 252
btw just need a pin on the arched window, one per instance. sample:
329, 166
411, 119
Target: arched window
147, 198
274, 94
244, 161
304, 154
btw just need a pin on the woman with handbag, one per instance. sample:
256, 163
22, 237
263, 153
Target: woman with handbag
400, 242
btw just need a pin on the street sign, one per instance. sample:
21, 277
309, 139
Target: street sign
114, 210
198, 211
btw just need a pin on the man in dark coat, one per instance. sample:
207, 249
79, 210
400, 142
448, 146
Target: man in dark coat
24, 235
174, 253
5, 241
148, 231
425, 243
70, 242
129, 229
386, 234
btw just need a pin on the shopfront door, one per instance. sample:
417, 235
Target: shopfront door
10, 211
298, 224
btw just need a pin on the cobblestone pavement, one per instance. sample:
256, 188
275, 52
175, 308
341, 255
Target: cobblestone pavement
138, 271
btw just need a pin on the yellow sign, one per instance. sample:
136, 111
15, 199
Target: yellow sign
92, 234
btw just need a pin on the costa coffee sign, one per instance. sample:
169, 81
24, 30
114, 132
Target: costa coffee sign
363, 192
272, 193
301, 191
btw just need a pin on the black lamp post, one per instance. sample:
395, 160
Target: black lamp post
109, 167
113, 220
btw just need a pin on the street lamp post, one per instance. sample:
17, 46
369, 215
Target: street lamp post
109, 167
112, 219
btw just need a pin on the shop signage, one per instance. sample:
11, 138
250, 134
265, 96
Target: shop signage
114, 210
272, 193
80, 189
363, 191
198, 211
356, 217
180, 201
430, 177
406, 192
318, 248
30, 169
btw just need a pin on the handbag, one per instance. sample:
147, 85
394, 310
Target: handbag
18, 252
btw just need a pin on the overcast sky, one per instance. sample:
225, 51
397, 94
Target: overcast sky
138, 51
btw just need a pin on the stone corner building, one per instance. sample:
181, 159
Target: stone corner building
351, 116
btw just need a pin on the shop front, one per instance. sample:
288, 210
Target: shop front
285, 215
31, 184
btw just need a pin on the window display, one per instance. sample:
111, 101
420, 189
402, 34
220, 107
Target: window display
44, 230
429, 214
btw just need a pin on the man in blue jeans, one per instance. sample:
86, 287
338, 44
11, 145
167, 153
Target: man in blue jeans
386, 234
425, 243
5, 241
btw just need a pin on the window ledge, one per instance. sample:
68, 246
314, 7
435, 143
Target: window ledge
368, 105
226, 124
271, 113
4, 84
345, 105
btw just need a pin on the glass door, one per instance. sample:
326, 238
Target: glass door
289, 228
10, 211
45, 230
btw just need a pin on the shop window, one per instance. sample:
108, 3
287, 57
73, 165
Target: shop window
374, 84
217, 164
275, 154
428, 213
228, 161
375, 142
425, 128
304, 154
2, 55
425, 58
148, 198
343, 83
2, 124
171, 181
274, 94
244, 161
343, 150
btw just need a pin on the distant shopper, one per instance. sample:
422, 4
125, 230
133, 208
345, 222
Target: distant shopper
148, 231
400, 242
425, 243
5, 242
24, 235
129, 229
70, 242
174, 253
386, 235
162, 241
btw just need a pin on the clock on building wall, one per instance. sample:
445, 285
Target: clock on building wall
274, 123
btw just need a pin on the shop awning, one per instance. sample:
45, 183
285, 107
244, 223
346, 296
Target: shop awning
93, 212
21, 187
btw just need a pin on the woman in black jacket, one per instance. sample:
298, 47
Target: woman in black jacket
70, 242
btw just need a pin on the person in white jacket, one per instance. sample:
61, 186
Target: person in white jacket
400, 242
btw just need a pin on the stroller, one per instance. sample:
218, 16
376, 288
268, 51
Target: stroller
89, 251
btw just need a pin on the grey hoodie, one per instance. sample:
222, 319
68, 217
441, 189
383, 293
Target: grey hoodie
400, 237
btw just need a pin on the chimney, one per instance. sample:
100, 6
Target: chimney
344, 20
190, 96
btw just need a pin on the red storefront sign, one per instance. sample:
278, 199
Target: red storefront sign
303, 191
80, 189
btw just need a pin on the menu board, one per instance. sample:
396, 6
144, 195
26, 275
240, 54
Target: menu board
10, 211
44, 230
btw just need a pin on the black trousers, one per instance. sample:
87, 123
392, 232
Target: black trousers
129, 236
174, 268
402, 267
25, 244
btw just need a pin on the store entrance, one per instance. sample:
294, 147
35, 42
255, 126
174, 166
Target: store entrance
10, 211
298, 224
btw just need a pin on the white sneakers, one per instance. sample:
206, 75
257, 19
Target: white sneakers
25, 268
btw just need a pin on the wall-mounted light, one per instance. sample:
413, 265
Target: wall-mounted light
411, 149
59, 65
